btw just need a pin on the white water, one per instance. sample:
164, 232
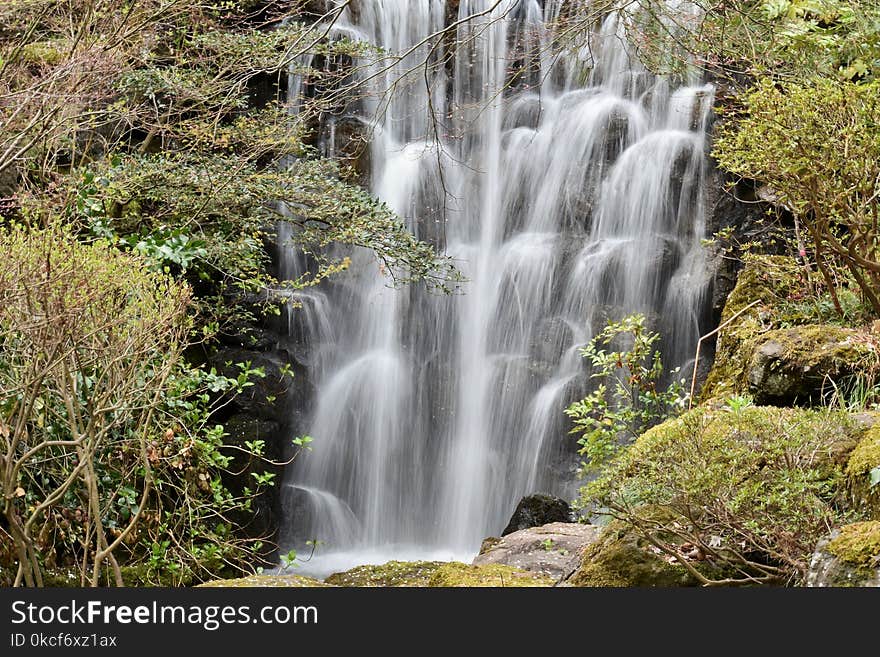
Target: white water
563, 202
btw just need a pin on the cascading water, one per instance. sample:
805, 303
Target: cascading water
568, 189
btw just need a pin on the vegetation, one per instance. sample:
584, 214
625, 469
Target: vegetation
629, 398
749, 490
146, 156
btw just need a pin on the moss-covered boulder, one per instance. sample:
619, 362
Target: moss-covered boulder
270, 581
849, 557
768, 280
863, 471
437, 573
489, 575
779, 348
803, 363
622, 558
393, 573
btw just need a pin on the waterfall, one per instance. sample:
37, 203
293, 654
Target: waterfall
568, 188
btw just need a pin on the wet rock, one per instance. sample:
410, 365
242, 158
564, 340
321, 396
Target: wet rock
554, 550
850, 556
536, 510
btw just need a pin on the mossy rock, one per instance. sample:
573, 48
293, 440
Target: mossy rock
776, 350
621, 558
863, 471
488, 575
393, 573
801, 364
849, 557
436, 573
694, 484
267, 581
46, 53
769, 280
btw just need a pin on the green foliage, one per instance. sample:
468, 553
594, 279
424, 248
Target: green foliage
817, 144
629, 398
107, 432
750, 490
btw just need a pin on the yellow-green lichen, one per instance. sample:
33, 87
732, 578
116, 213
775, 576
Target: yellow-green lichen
267, 581
863, 473
437, 573
858, 545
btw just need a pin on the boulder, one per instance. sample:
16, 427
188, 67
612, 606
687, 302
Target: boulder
393, 573
803, 363
850, 556
554, 550
437, 574
537, 510
773, 345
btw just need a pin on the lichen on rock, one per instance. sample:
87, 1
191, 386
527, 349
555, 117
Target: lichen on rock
393, 573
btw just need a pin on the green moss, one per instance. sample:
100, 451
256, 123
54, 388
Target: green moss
858, 545
866, 456
489, 575
862, 471
268, 581
720, 476
436, 573
44, 52
620, 558
393, 573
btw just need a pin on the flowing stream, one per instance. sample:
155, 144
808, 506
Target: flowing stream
569, 189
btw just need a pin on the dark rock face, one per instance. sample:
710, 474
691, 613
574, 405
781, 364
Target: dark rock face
536, 510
